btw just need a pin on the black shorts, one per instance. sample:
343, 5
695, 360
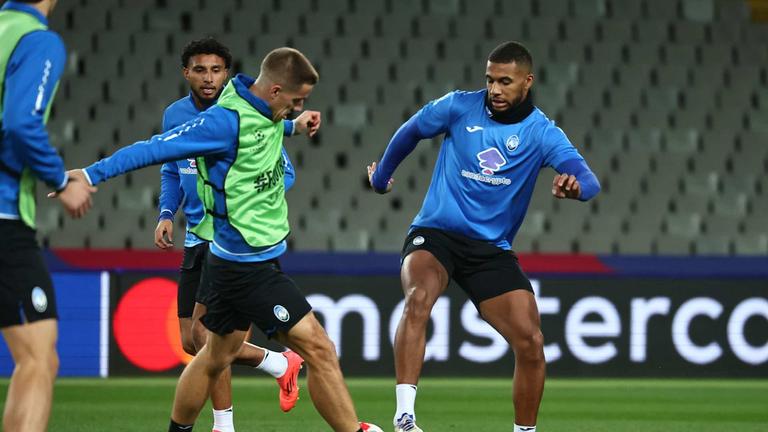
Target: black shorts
481, 269
26, 290
189, 289
243, 293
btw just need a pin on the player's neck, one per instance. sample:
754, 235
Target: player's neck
202, 104
515, 114
259, 90
44, 7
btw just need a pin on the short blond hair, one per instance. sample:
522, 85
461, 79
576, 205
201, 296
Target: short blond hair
288, 66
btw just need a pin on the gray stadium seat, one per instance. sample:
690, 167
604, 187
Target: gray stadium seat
590, 8
350, 241
673, 245
662, 9
444, 7
321, 24
615, 30
652, 31
751, 244
699, 10
713, 245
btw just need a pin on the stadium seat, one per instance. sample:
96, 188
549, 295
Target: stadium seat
699, 10
590, 8
751, 244
321, 24
652, 32
662, 9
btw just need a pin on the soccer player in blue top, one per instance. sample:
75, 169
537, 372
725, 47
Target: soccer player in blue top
496, 141
32, 59
206, 64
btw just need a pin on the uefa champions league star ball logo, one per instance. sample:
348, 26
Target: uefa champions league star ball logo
39, 299
512, 143
281, 313
418, 241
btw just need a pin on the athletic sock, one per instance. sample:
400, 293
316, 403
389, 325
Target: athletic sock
223, 420
519, 428
274, 363
175, 427
406, 399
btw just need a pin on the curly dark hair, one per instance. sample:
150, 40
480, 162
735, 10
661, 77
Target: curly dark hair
511, 52
206, 45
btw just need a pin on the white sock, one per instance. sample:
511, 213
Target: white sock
223, 420
274, 363
519, 428
406, 399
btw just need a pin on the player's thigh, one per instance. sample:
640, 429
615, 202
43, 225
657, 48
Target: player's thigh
514, 314
424, 278
32, 341
307, 337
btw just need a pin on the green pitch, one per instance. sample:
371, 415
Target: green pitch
131, 404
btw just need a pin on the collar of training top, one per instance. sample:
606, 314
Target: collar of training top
516, 114
242, 83
21, 7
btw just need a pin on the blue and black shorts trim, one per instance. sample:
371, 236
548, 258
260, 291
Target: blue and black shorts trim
190, 290
26, 289
481, 269
241, 293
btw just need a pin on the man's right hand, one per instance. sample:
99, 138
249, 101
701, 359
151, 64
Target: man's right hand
76, 196
164, 234
371, 170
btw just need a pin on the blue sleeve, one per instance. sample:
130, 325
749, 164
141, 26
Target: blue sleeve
590, 186
213, 131
400, 146
288, 127
290, 172
32, 75
435, 117
170, 184
556, 146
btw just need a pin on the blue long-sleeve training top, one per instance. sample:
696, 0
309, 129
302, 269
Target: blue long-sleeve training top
178, 179
486, 170
31, 77
213, 133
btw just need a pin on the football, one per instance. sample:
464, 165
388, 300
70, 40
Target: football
370, 427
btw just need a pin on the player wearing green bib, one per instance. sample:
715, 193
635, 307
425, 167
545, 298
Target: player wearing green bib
238, 145
32, 59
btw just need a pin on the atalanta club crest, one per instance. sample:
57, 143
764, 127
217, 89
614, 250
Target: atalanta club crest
512, 143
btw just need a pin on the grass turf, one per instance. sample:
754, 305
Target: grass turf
143, 404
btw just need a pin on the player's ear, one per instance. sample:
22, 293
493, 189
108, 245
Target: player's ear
528, 81
274, 90
185, 72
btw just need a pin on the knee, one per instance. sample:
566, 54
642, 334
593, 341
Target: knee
530, 347
44, 363
418, 305
53, 363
